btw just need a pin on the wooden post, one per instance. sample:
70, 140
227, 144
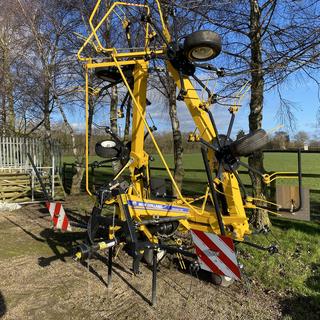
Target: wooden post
32, 185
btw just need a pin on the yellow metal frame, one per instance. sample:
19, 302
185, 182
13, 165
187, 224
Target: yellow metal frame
194, 217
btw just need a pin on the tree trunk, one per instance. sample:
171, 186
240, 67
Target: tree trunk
260, 218
90, 120
3, 113
116, 165
126, 136
4, 68
11, 112
177, 136
114, 110
175, 125
76, 179
47, 123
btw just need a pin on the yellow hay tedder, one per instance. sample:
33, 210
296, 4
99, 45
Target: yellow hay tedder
204, 230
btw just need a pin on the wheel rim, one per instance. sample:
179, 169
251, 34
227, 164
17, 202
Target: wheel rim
202, 53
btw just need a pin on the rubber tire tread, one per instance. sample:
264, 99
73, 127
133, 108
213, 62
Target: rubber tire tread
104, 152
201, 38
249, 143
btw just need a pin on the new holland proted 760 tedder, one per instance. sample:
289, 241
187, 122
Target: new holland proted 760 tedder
202, 230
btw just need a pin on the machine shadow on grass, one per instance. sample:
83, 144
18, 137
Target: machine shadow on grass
117, 269
3, 307
55, 241
62, 245
68, 241
313, 282
305, 227
301, 307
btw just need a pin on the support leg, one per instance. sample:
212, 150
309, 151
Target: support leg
110, 266
136, 263
154, 278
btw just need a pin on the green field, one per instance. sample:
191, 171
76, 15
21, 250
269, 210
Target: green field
273, 162
194, 181
294, 273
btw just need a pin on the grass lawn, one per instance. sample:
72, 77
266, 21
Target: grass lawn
193, 181
273, 162
294, 272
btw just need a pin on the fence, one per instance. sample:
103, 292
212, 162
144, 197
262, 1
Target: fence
101, 176
17, 178
13, 152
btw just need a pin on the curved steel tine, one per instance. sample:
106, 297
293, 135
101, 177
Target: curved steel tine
250, 168
219, 171
215, 128
239, 181
229, 128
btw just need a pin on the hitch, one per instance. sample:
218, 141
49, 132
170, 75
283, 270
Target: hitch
85, 251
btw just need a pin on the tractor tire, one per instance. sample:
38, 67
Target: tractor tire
199, 39
249, 143
107, 149
222, 281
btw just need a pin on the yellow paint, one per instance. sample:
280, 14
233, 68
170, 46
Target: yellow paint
198, 217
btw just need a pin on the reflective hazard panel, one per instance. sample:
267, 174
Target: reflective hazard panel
216, 254
58, 216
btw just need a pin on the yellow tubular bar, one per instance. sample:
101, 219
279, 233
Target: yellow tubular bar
95, 29
91, 18
123, 169
193, 102
272, 212
152, 136
164, 27
278, 175
87, 131
263, 200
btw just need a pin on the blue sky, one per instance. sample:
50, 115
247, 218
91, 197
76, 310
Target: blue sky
301, 92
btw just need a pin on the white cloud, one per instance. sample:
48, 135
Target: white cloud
78, 126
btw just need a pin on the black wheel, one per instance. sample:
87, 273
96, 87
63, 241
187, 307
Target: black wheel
202, 45
249, 143
107, 149
221, 281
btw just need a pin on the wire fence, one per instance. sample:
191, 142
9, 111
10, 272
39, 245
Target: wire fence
101, 175
18, 182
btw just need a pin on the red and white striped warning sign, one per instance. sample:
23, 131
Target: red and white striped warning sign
216, 254
58, 215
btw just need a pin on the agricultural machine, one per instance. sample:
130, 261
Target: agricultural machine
203, 230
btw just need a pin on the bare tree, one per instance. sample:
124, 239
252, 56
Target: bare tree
45, 25
10, 36
265, 41
301, 138
280, 140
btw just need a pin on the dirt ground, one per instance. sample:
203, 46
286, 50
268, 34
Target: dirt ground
39, 280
